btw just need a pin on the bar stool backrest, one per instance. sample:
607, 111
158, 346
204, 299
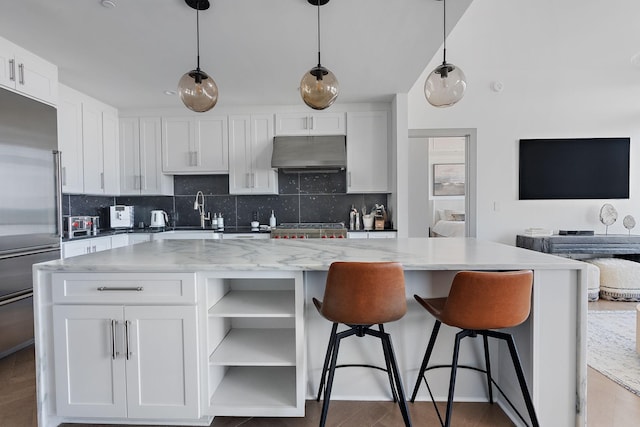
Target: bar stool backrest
364, 293
488, 300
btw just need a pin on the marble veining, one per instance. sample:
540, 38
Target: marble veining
311, 254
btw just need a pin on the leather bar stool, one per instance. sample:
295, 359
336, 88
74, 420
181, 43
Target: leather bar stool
478, 303
361, 295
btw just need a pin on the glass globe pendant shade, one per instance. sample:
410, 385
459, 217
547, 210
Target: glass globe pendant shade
445, 85
198, 91
319, 88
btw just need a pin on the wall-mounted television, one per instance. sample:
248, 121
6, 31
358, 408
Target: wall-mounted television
576, 168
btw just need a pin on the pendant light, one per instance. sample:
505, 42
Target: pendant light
319, 87
446, 84
197, 89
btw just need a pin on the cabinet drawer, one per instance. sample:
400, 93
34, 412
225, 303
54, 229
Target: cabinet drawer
119, 288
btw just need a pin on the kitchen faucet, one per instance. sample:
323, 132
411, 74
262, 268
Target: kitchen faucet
198, 205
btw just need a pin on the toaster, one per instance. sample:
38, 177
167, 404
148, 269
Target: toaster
121, 216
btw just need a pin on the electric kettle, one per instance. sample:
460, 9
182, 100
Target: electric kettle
159, 219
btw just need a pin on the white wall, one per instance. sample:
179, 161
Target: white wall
567, 72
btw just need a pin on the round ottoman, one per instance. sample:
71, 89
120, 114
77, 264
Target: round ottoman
593, 282
619, 279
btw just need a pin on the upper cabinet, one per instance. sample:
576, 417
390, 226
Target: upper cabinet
367, 152
88, 140
250, 147
70, 140
24, 72
310, 124
141, 158
195, 145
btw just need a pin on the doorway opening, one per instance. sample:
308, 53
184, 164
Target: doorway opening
442, 183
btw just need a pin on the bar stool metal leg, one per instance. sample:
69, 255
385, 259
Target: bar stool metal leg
327, 358
332, 371
425, 360
454, 370
388, 364
487, 362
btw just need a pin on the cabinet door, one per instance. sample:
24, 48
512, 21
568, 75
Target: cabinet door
93, 157
240, 155
100, 244
36, 77
292, 124
71, 249
70, 140
212, 145
7, 64
327, 124
367, 152
153, 181
90, 375
250, 148
178, 155
110, 150
129, 156
119, 241
265, 178
162, 364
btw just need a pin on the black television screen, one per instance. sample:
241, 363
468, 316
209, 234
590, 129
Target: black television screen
580, 168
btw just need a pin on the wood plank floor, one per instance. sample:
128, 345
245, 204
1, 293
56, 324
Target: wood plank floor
609, 405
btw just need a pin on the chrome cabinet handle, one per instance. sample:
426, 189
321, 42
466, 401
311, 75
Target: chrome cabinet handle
12, 70
121, 288
247, 180
113, 339
348, 179
21, 73
64, 175
311, 122
253, 180
102, 180
126, 333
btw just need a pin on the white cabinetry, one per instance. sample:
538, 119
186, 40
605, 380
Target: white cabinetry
88, 140
250, 148
367, 152
70, 140
26, 73
245, 236
193, 145
255, 345
310, 124
372, 234
117, 357
85, 246
141, 157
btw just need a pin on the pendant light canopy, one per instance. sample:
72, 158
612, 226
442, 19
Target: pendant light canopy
197, 89
446, 84
319, 87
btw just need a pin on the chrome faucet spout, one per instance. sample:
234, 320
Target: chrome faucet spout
198, 205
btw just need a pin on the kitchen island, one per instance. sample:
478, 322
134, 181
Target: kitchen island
179, 331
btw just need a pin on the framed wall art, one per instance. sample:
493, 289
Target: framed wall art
448, 179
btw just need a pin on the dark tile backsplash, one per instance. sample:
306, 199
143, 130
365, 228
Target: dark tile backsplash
306, 197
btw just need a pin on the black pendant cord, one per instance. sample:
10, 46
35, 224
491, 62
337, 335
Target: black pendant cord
319, 34
444, 32
198, 35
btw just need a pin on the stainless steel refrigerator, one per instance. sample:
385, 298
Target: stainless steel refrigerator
30, 201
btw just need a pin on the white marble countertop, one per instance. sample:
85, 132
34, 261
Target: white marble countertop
308, 255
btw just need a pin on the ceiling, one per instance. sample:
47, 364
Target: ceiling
256, 50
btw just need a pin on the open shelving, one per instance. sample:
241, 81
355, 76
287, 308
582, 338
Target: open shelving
255, 345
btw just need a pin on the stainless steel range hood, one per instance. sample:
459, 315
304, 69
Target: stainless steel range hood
326, 153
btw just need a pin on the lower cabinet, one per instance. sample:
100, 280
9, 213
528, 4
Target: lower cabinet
125, 360
85, 246
255, 346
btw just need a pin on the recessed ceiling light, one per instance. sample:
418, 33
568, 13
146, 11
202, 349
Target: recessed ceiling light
170, 92
109, 4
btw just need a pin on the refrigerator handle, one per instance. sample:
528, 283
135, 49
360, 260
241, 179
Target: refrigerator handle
57, 166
